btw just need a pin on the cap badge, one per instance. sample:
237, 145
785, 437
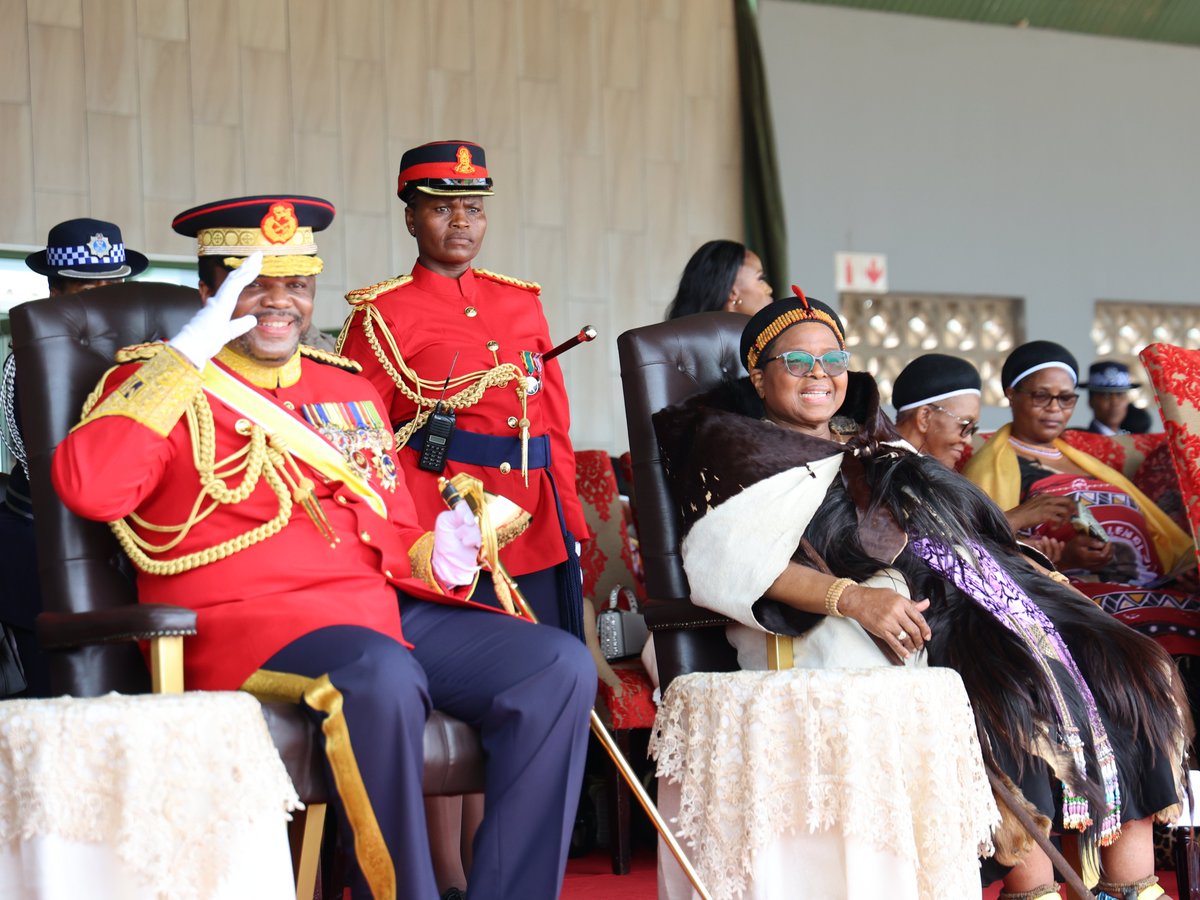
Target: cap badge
280, 223
99, 245
464, 166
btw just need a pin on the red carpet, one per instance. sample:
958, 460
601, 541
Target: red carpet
590, 878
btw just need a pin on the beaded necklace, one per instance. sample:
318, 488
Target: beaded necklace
1035, 451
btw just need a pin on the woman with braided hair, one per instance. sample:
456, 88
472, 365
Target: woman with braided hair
795, 490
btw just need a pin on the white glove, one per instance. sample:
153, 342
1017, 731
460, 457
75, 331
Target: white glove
456, 543
214, 326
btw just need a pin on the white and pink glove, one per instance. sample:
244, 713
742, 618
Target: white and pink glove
456, 543
214, 326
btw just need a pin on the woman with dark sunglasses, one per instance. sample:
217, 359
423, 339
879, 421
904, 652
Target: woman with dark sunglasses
804, 515
1119, 548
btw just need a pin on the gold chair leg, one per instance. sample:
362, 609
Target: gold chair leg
310, 851
166, 665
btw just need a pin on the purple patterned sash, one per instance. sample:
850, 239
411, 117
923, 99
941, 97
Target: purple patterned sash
995, 590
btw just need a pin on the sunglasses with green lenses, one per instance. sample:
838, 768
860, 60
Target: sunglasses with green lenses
800, 362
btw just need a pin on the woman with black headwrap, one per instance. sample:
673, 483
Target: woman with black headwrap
793, 493
1119, 548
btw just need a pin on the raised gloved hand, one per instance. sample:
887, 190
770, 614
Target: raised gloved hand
456, 543
214, 326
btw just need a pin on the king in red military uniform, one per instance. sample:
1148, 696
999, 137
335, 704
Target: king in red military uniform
256, 481
486, 333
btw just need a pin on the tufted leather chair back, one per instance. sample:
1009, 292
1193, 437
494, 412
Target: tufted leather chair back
661, 365
63, 345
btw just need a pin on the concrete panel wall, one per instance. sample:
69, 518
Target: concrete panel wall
596, 116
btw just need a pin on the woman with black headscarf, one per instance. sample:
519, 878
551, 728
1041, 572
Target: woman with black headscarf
1119, 548
793, 493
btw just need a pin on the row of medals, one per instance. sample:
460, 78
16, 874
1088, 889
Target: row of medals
355, 442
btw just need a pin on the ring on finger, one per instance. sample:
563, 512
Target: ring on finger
902, 636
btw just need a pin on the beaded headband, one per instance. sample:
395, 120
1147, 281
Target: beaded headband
786, 320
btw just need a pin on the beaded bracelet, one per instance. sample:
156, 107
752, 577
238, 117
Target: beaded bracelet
834, 594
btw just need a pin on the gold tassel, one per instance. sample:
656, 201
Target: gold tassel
302, 491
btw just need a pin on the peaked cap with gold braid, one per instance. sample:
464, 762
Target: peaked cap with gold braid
776, 318
281, 226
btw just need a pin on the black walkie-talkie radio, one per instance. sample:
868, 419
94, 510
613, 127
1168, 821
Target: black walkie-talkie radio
439, 429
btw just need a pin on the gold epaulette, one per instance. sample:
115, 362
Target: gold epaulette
342, 362
508, 279
358, 296
140, 352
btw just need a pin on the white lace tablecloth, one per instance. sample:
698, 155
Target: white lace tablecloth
782, 781
175, 796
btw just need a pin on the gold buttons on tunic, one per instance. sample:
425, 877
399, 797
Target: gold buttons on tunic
341, 499
289, 404
387, 573
366, 536
512, 421
493, 346
505, 468
471, 312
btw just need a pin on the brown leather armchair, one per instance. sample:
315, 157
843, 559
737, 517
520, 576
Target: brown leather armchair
91, 617
662, 365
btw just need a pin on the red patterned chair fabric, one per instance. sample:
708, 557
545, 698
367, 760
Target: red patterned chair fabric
609, 562
609, 559
1175, 375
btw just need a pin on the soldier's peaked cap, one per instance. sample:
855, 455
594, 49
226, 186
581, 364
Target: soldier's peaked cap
280, 225
444, 168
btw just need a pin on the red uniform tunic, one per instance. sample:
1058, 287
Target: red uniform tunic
257, 600
431, 318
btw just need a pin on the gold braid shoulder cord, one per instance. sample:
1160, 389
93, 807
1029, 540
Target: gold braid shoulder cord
258, 459
473, 384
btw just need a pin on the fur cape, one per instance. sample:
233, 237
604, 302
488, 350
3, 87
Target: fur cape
754, 496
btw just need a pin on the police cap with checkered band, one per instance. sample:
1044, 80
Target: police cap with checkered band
86, 249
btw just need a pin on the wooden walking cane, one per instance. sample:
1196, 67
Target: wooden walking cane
474, 499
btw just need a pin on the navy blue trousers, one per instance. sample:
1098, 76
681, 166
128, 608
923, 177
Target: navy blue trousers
529, 690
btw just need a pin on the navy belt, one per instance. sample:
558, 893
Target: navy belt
489, 450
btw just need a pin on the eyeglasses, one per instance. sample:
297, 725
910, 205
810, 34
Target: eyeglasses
967, 428
800, 362
1042, 399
